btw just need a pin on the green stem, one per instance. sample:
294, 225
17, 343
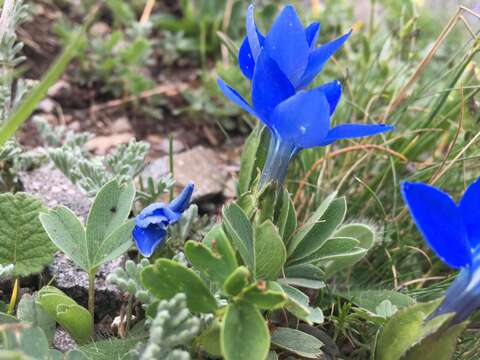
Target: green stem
13, 299
91, 292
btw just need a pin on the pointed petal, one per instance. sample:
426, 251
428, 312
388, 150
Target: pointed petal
333, 92
303, 119
348, 131
269, 87
181, 202
287, 44
252, 35
318, 58
312, 32
470, 209
245, 56
147, 239
439, 220
234, 96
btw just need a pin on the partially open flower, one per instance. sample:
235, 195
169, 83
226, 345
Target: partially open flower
152, 222
280, 66
453, 232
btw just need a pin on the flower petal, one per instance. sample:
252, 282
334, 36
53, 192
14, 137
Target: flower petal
234, 96
312, 32
303, 119
348, 131
318, 58
287, 44
252, 35
440, 222
269, 87
333, 92
245, 56
147, 239
470, 208
181, 202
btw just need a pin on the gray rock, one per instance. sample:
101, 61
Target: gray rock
62, 341
201, 165
54, 189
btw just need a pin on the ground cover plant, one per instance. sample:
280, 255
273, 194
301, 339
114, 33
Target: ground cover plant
226, 180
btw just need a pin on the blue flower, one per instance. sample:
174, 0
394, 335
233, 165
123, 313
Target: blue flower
152, 222
453, 232
280, 65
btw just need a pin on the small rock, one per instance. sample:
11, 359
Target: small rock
54, 189
61, 87
121, 125
47, 105
62, 340
201, 165
100, 28
100, 145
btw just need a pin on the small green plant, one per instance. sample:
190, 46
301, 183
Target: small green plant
107, 234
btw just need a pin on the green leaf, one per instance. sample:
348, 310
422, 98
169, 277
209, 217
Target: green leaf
331, 249
23, 242
109, 211
237, 281
438, 346
28, 105
371, 299
107, 235
287, 217
258, 294
406, 329
28, 311
366, 237
298, 304
212, 265
297, 342
67, 233
302, 282
108, 350
72, 317
270, 253
209, 340
244, 333
321, 230
253, 157
217, 241
30, 342
239, 230
166, 278
305, 271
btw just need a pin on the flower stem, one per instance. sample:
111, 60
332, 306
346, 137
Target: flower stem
278, 158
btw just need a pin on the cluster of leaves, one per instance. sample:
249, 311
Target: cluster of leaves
116, 60
68, 153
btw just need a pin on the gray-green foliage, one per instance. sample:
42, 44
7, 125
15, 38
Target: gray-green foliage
10, 58
107, 234
68, 153
128, 280
171, 331
23, 241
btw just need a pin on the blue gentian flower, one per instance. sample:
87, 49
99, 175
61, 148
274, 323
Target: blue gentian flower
152, 222
453, 232
280, 65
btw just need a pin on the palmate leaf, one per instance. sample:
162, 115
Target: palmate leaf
108, 234
23, 241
